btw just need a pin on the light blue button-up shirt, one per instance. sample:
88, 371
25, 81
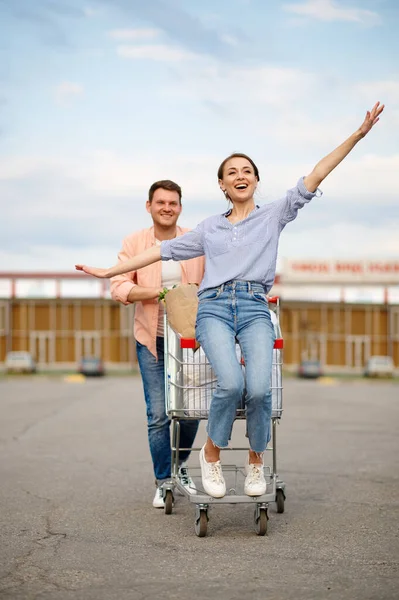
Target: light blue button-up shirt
246, 250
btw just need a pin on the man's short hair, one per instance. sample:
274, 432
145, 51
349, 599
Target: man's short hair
164, 184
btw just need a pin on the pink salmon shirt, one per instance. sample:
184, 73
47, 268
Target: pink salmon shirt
146, 311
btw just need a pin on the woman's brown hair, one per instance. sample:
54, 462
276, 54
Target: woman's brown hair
238, 155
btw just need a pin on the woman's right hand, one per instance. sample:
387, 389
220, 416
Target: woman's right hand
149, 256
101, 273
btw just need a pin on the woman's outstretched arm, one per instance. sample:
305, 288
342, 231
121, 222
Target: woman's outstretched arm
329, 162
149, 256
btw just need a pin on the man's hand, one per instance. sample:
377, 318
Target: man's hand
162, 294
372, 117
139, 293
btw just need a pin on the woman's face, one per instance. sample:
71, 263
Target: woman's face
239, 180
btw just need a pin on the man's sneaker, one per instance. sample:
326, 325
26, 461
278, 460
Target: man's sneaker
255, 483
158, 498
212, 477
185, 479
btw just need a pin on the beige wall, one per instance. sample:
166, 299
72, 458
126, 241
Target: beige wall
59, 331
340, 335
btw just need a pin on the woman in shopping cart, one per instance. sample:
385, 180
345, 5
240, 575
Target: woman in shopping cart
240, 247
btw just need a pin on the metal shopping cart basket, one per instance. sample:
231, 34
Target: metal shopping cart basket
189, 385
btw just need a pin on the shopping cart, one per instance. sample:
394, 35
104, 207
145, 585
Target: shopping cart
189, 385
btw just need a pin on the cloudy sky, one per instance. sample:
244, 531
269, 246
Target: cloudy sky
100, 99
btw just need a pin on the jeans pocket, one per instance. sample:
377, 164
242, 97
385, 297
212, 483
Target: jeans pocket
209, 294
260, 297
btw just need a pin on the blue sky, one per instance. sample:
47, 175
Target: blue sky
100, 99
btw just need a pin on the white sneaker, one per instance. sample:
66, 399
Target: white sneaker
185, 479
212, 477
158, 501
255, 482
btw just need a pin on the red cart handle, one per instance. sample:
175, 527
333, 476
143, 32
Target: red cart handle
273, 299
188, 343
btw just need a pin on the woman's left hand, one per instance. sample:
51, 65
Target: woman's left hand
372, 117
101, 273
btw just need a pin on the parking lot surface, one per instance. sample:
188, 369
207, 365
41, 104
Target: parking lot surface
76, 489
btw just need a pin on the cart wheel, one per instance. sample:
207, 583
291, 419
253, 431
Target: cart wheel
168, 500
280, 498
261, 521
201, 524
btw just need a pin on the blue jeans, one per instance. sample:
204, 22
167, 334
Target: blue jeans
152, 373
238, 311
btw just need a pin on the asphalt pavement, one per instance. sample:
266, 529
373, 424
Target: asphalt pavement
76, 520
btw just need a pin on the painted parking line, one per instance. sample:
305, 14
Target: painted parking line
328, 381
76, 378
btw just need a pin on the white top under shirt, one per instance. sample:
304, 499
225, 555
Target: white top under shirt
171, 275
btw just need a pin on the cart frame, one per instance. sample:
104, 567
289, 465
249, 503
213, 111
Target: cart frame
176, 368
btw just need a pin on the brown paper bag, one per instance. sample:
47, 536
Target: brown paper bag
181, 308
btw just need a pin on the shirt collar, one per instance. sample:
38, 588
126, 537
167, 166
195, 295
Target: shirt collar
226, 214
179, 231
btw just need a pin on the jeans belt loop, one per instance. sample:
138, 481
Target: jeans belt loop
249, 287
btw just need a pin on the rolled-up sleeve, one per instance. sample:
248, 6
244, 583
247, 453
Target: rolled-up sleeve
295, 198
120, 290
184, 247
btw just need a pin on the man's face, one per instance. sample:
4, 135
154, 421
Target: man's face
165, 207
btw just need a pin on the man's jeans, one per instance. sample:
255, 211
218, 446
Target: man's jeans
238, 311
152, 373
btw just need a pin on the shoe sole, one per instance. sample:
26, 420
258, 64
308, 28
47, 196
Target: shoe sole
250, 493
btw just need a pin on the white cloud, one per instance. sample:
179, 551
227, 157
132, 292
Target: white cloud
157, 52
57, 259
329, 10
285, 107
371, 176
18, 167
107, 190
340, 240
108, 173
244, 87
134, 34
368, 179
386, 89
66, 91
